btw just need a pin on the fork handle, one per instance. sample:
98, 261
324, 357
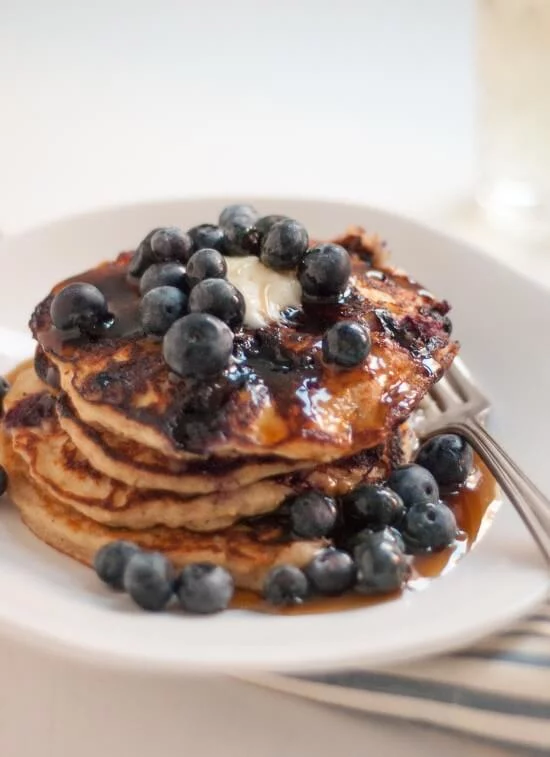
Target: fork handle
530, 502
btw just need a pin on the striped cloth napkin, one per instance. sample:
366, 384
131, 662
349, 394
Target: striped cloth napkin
497, 691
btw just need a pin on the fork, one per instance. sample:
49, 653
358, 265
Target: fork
456, 404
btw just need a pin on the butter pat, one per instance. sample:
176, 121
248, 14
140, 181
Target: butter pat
266, 292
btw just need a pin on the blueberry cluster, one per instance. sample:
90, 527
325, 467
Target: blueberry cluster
377, 527
151, 581
187, 301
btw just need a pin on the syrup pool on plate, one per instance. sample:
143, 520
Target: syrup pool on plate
474, 506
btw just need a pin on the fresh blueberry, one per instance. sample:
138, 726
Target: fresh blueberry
220, 298
163, 275
160, 308
448, 457
265, 223
165, 245
429, 527
284, 245
312, 515
346, 344
237, 212
205, 588
4, 388
373, 506
198, 345
111, 560
414, 484
45, 370
324, 271
381, 568
286, 585
206, 264
242, 236
369, 537
208, 236
79, 306
149, 580
331, 572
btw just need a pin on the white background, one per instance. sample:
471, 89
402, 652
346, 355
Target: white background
104, 102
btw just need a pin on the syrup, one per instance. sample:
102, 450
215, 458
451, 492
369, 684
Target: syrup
474, 506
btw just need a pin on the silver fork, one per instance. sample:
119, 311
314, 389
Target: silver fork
457, 405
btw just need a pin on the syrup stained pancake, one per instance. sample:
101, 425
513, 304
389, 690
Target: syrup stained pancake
279, 397
59, 469
139, 466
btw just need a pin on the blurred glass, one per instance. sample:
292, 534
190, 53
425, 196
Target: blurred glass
514, 113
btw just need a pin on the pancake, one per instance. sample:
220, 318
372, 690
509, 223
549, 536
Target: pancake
136, 465
247, 552
58, 468
278, 398
141, 467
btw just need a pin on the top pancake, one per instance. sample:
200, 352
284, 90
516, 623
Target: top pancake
279, 397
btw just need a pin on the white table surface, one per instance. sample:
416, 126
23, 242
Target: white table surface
112, 102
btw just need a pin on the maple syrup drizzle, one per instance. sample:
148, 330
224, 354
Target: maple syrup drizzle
474, 505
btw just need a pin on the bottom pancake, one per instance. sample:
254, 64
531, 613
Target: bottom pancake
247, 551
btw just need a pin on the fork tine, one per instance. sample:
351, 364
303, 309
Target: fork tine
461, 379
445, 395
429, 409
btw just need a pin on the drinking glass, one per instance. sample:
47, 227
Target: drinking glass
514, 113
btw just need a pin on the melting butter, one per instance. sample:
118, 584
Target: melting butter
266, 292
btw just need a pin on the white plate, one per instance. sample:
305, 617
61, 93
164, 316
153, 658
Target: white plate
502, 321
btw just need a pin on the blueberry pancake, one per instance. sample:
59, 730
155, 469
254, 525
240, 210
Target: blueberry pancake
58, 468
239, 400
278, 396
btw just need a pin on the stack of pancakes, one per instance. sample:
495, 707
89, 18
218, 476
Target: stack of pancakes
102, 442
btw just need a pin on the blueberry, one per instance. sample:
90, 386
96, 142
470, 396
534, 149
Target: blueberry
429, 527
373, 506
367, 537
208, 236
4, 388
149, 580
324, 271
45, 370
331, 572
111, 560
242, 236
3, 480
448, 457
205, 588
164, 245
163, 275
312, 515
286, 585
265, 223
79, 306
160, 308
206, 264
237, 212
346, 344
414, 484
220, 298
284, 245
198, 345
381, 568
